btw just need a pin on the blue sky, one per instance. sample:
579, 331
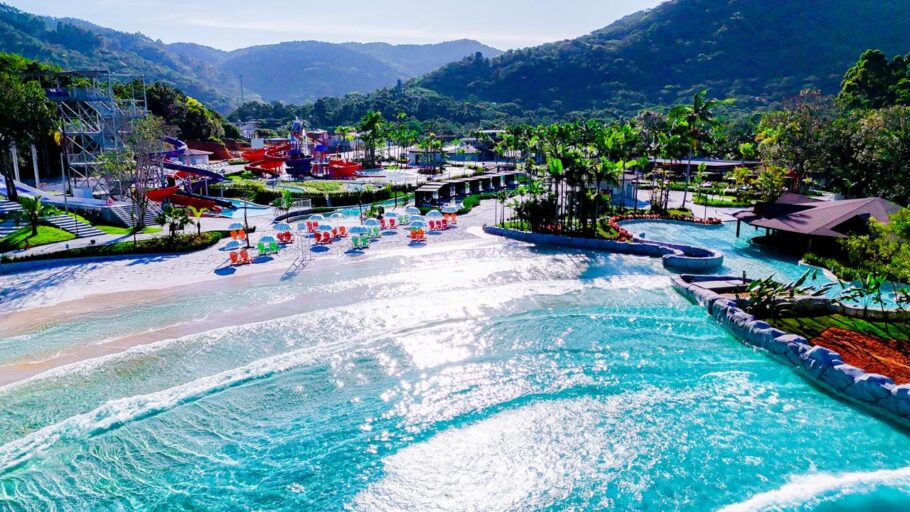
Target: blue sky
230, 24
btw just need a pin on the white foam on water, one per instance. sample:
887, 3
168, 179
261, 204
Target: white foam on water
806, 490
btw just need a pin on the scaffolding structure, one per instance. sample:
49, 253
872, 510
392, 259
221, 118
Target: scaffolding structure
93, 120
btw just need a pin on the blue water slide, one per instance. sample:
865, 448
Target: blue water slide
178, 151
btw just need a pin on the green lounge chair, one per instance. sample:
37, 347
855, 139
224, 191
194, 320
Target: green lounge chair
261, 248
274, 247
365, 241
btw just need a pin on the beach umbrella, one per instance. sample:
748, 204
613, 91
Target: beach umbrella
282, 227
435, 214
359, 230
267, 239
419, 224
412, 210
417, 218
235, 226
323, 228
301, 228
337, 217
316, 218
230, 246
391, 215
451, 209
371, 223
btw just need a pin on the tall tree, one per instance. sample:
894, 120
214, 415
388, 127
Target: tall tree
694, 123
372, 132
24, 117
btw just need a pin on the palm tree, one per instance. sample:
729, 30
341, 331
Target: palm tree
371, 131
693, 122
197, 214
33, 210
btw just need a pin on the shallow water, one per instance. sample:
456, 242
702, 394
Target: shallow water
488, 375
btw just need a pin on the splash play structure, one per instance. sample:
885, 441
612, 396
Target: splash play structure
294, 157
184, 182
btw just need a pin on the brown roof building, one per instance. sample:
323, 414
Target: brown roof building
800, 215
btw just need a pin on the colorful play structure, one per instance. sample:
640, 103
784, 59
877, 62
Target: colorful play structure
295, 158
194, 179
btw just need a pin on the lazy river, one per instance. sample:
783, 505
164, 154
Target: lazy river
477, 375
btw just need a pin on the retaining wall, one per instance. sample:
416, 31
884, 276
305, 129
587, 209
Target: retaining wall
674, 257
822, 366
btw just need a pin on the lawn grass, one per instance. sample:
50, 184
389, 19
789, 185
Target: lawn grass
157, 245
46, 235
811, 327
120, 230
720, 201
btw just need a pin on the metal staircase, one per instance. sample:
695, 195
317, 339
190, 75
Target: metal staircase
125, 212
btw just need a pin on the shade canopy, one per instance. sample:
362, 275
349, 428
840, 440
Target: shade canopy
324, 228
371, 222
234, 244
358, 230
235, 226
435, 214
391, 215
411, 210
450, 209
267, 239
282, 226
316, 218
418, 224
417, 218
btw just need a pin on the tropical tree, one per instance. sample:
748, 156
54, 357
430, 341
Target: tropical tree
33, 210
694, 123
197, 215
372, 132
794, 137
175, 219
24, 117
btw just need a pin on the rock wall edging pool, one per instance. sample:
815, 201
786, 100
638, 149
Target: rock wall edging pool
674, 257
822, 366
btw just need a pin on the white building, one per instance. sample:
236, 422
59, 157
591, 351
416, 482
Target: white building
196, 157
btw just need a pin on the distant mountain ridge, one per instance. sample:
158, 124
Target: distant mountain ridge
756, 51
290, 72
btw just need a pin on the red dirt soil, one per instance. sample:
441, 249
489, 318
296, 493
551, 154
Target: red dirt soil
889, 358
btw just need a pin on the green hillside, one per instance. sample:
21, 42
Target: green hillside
755, 51
290, 72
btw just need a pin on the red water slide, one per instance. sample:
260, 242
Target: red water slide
267, 161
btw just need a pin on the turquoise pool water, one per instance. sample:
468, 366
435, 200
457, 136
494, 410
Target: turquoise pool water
479, 376
741, 256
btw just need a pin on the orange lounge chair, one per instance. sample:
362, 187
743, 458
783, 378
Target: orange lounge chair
342, 231
245, 257
317, 237
235, 259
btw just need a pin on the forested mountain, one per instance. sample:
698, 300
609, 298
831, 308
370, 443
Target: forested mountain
757, 51
296, 71
306, 70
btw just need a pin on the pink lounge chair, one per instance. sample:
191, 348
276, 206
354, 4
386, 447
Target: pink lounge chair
392, 224
342, 231
444, 224
382, 224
